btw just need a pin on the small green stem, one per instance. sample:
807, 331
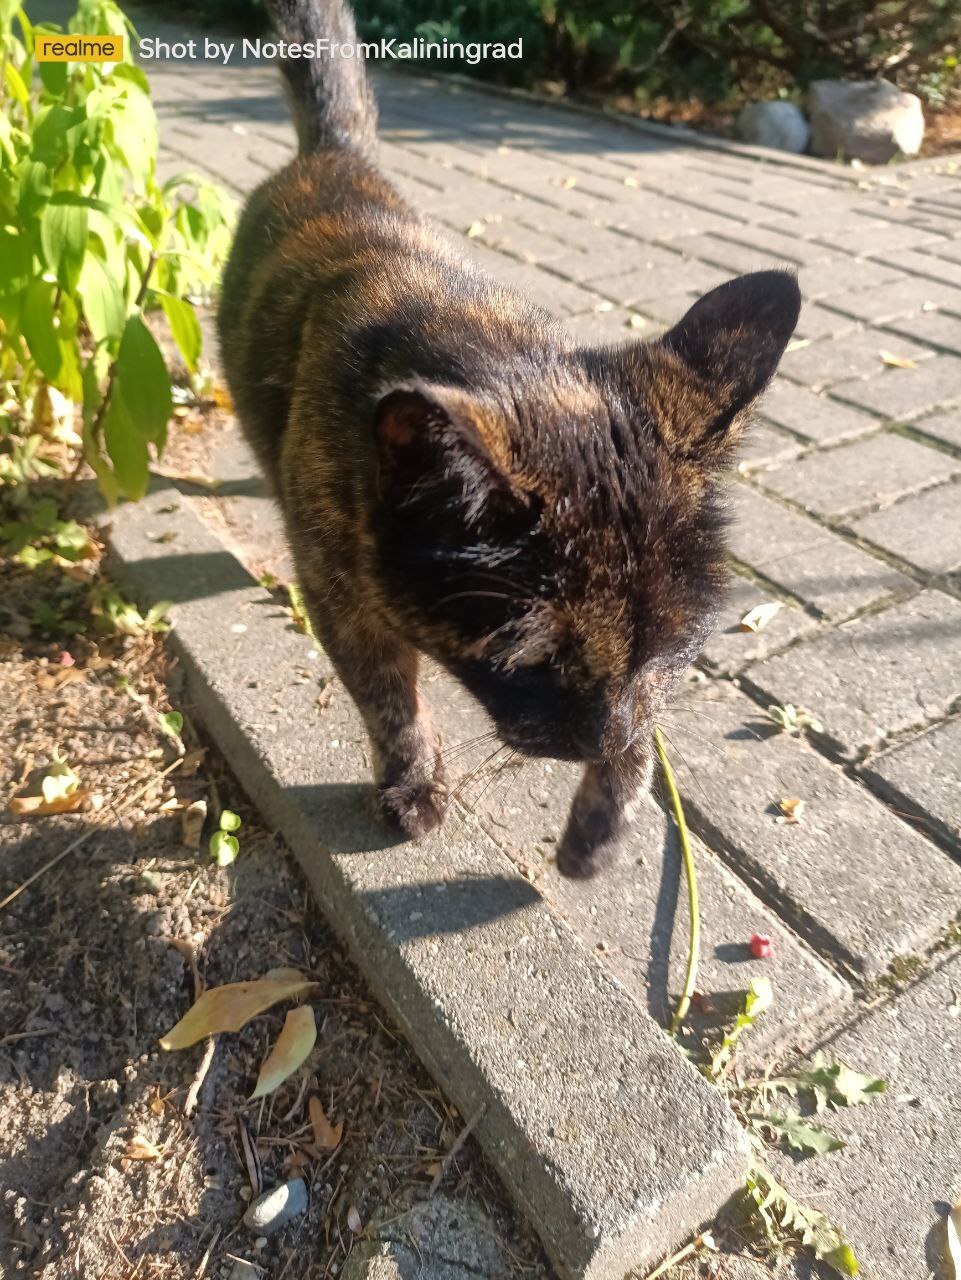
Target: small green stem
694, 946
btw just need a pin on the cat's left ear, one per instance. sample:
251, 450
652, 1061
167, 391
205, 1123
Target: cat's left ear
728, 345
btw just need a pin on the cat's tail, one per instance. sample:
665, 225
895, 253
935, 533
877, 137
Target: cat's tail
330, 98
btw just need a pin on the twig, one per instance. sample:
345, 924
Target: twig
197, 1084
458, 1143
694, 946
202, 1266
74, 845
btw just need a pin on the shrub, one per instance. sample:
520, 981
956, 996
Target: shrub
90, 241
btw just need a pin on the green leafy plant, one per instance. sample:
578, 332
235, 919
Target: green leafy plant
90, 243
113, 615
224, 845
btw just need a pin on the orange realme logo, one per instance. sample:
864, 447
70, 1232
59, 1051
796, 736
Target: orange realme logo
79, 48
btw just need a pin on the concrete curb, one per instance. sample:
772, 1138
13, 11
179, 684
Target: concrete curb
607, 1138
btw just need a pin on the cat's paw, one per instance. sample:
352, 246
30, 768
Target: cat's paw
416, 806
590, 844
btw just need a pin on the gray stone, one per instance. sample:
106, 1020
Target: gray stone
866, 680
873, 121
273, 1209
906, 297
765, 446
242, 1270
936, 328
853, 879
731, 648
903, 394
923, 776
890, 1186
854, 355
943, 426
816, 418
807, 560
777, 124
843, 275
647, 284
925, 530
858, 477
437, 1239
491, 986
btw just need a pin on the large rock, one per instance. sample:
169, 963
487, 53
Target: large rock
776, 124
871, 121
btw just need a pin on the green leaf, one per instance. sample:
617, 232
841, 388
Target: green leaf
143, 382
230, 821
126, 447
799, 1133
185, 328
63, 234
54, 76
16, 261
104, 306
171, 723
37, 327
224, 848
757, 1000
832, 1083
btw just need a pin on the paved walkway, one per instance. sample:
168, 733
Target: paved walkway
848, 514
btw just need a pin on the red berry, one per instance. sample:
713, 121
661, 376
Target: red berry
761, 948
67, 659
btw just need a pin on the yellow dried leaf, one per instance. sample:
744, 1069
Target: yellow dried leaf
475, 229
297, 1037
631, 182
897, 362
327, 1136
38, 807
231, 1007
758, 617
791, 810
139, 1148
797, 344
192, 821
568, 182
637, 322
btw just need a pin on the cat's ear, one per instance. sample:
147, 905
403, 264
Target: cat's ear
729, 343
428, 436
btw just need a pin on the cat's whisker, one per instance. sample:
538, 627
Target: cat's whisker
459, 748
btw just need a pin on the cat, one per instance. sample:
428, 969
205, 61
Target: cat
458, 478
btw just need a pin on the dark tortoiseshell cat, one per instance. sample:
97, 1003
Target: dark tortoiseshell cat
459, 479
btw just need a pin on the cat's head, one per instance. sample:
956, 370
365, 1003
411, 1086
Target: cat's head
555, 539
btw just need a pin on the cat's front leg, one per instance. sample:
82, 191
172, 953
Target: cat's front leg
602, 812
379, 671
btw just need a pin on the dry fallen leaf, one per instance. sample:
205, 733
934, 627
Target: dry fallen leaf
297, 1037
327, 1136
476, 229
791, 810
38, 807
954, 1238
139, 1148
567, 182
637, 322
230, 1007
758, 617
353, 1220
192, 821
897, 362
631, 182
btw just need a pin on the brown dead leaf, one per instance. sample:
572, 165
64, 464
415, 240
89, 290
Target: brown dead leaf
38, 807
192, 821
231, 1007
192, 762
567, 182
757, 618
327, 1136
297, 1037
140, 1148
897, 362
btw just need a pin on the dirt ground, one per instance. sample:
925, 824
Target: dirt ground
105, 951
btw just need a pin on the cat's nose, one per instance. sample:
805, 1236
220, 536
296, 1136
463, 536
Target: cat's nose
608, 734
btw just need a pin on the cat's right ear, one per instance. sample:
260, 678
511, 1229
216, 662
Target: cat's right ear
427, 435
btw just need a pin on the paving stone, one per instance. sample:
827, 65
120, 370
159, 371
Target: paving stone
843, 276
765, 446
925, 264
816, 321
613, 324
613, 1143
854, 355
560, 297
904, 298
858, 477
727, 254
636, 287
852, 878
923, 777
943, 426
924, 530
936, 328
891, 1185
904, 394
815, 417
731, 648
880, 675
807, 560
